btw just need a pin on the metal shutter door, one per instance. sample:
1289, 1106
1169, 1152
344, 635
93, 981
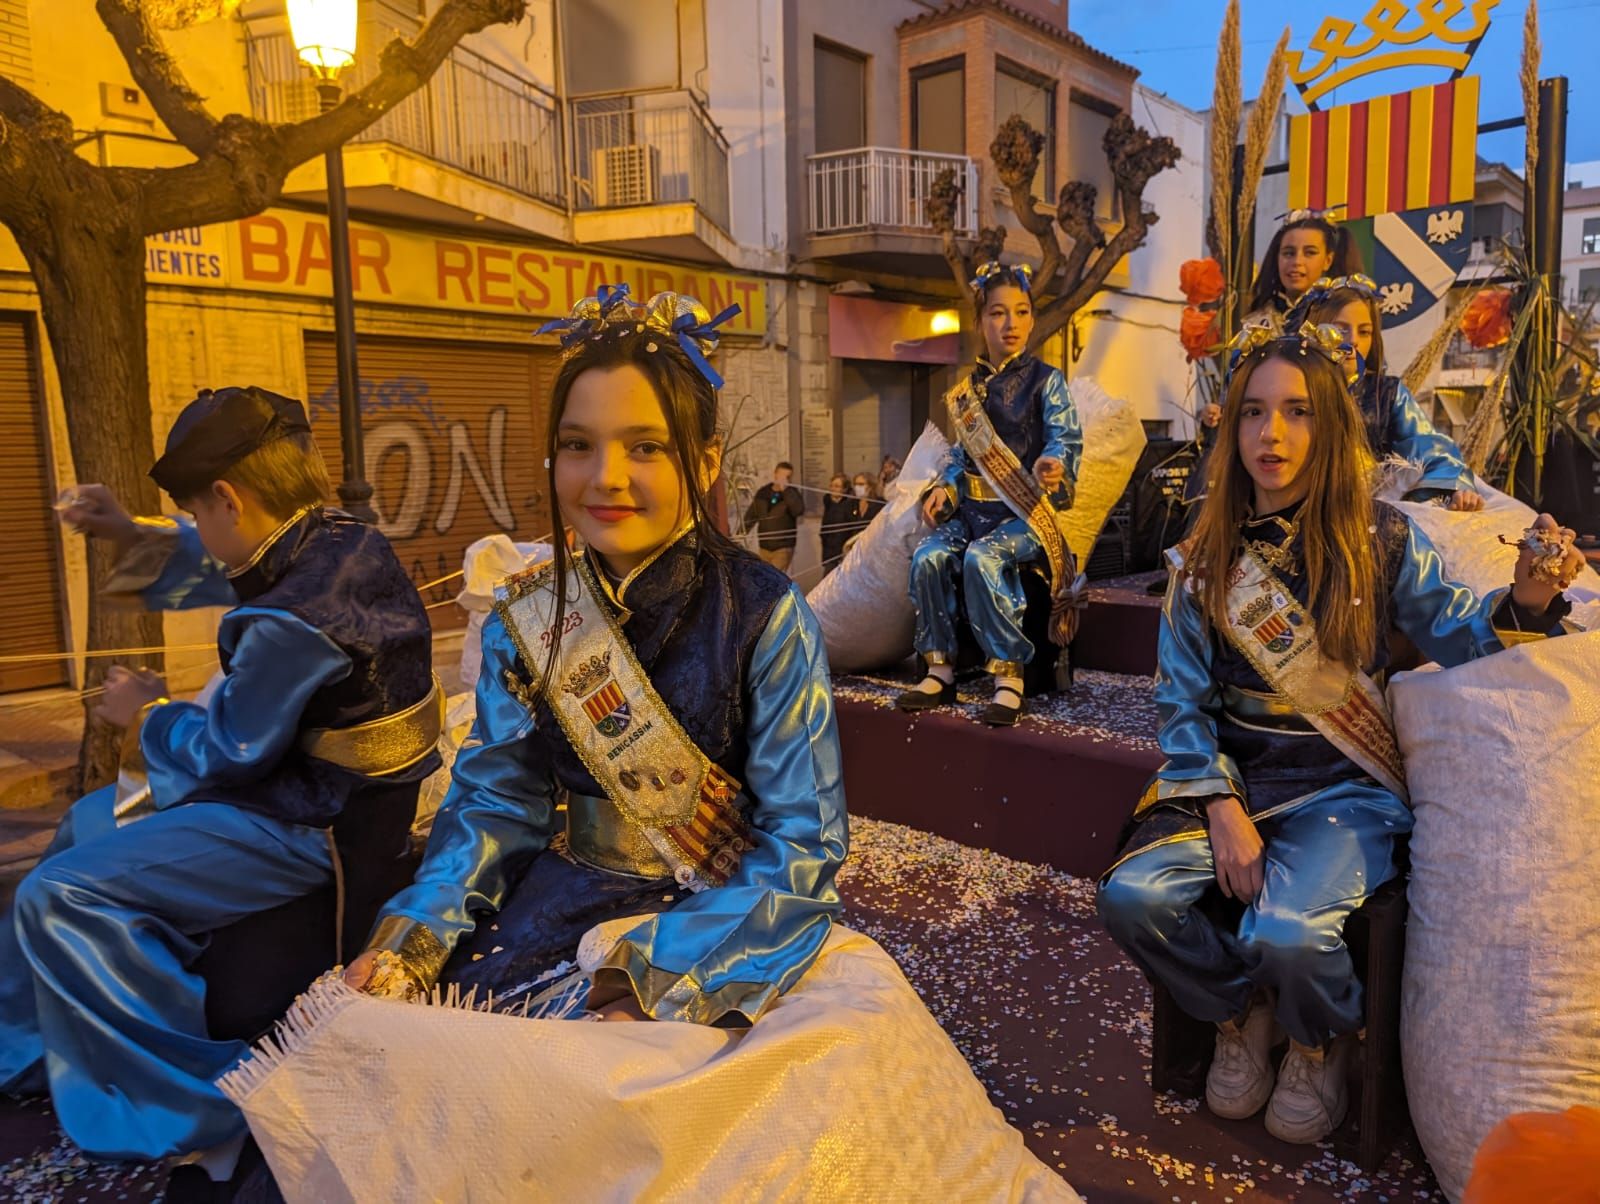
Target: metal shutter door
30, 548
454, 439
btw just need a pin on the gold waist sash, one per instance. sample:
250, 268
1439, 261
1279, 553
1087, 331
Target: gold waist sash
979, 490
382, 746
598, 834
1254, 709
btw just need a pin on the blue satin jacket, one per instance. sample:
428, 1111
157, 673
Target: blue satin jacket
1032, 411
1396, 426
1218, 736
735, 652
330, 634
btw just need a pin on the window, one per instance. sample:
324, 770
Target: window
16, 49
1589, 284
640, 46
939, 107
841, 98
1088, 120
1033, 98
1591, 236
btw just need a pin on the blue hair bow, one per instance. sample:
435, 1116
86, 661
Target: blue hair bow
672, 315
989, 273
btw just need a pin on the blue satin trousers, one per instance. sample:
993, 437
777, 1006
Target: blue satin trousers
95, 964
972, 559
1324, 856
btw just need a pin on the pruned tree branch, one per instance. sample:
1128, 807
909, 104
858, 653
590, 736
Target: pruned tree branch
1015, 153
178, 105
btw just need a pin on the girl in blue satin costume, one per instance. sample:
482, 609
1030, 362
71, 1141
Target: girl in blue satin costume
1396, 425
1253, 798
970, 566
242, 811
503, 896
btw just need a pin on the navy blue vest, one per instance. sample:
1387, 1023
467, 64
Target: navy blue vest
1011, 399
341, 576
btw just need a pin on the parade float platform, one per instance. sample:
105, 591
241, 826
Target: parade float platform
1055, 789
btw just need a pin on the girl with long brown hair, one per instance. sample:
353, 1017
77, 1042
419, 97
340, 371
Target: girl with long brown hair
1309, 245
1283, 784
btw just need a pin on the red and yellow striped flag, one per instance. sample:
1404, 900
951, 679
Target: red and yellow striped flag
1412, 150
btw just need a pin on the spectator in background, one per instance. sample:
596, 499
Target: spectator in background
775, 511
888, 472
838, 516
866, 501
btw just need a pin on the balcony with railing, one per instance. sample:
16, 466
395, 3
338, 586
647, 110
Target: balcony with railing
870, 204
472, 115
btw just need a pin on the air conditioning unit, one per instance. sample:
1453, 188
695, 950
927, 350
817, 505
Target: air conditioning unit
627, 175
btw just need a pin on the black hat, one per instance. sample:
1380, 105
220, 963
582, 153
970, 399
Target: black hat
218, 429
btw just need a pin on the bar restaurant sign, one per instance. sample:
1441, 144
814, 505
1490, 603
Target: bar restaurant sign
287, 251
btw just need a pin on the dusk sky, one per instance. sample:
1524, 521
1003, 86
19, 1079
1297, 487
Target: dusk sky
1173, 43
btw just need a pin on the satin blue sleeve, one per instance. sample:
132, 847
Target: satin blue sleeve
1443, 468
1063, 437
723, 955
169, 569
276, 662
498, 812
952, 473
1189, 703
1450, 623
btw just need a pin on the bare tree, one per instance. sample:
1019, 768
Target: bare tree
1066, 279
82, 228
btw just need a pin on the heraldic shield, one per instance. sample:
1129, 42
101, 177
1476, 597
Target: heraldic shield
603, 699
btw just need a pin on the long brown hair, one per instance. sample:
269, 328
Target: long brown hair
689, 403
1346, 258
1335, 520
1327, 309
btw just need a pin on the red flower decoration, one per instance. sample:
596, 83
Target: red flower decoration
1488, 318
1197, 331
1201, 281
1537, 1156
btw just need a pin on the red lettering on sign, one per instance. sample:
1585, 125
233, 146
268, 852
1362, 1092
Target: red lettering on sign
538, 300
314, 252
747, 314
454, 262
370, 249
601, 273
570, 265
659, 281
488, 276
718, 300
264, 249
690, 287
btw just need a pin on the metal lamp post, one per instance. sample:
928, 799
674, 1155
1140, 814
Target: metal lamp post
324, 35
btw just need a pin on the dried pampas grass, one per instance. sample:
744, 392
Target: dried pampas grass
1225, 109
1531, 51
1427, 356
1258, 132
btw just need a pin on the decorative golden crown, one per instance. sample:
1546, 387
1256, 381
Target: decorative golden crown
590, 675
1333, 43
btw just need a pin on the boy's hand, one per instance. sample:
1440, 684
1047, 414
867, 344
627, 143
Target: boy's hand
1534, 591
1049, 472
95, 511
126, 691
1237, 849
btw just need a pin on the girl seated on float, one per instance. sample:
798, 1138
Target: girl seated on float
1283, 783
1012, 468
1396, 425
1309, 245
674, 690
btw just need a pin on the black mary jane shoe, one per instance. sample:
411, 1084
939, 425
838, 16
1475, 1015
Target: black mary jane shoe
997, 714
921, 700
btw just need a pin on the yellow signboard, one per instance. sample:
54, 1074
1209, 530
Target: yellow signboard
286, 251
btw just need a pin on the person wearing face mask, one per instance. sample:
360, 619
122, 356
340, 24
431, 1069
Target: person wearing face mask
775, 510
1283, 784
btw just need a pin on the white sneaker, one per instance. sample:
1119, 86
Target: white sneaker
1311, 1097
1240, 1079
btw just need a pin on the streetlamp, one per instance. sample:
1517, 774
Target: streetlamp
324, 34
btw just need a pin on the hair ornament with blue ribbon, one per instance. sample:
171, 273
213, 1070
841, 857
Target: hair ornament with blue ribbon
672, 316
994, 272
1325, 287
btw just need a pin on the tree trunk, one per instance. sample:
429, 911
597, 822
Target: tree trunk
88, 264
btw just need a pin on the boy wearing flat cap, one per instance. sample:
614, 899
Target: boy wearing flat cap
300, 769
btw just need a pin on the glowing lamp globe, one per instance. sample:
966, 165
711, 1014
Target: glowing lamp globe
324, 33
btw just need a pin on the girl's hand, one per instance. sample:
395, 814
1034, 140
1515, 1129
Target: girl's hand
1049, 472
1528, 589
1466, 499
932, 506
623, 1009
127, 691
1237, 849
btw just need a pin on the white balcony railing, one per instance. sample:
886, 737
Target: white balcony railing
648, 148
883, 188
472, 114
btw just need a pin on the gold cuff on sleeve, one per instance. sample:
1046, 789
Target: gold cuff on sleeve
423, 953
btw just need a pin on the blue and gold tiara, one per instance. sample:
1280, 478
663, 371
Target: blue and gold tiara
672, 316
